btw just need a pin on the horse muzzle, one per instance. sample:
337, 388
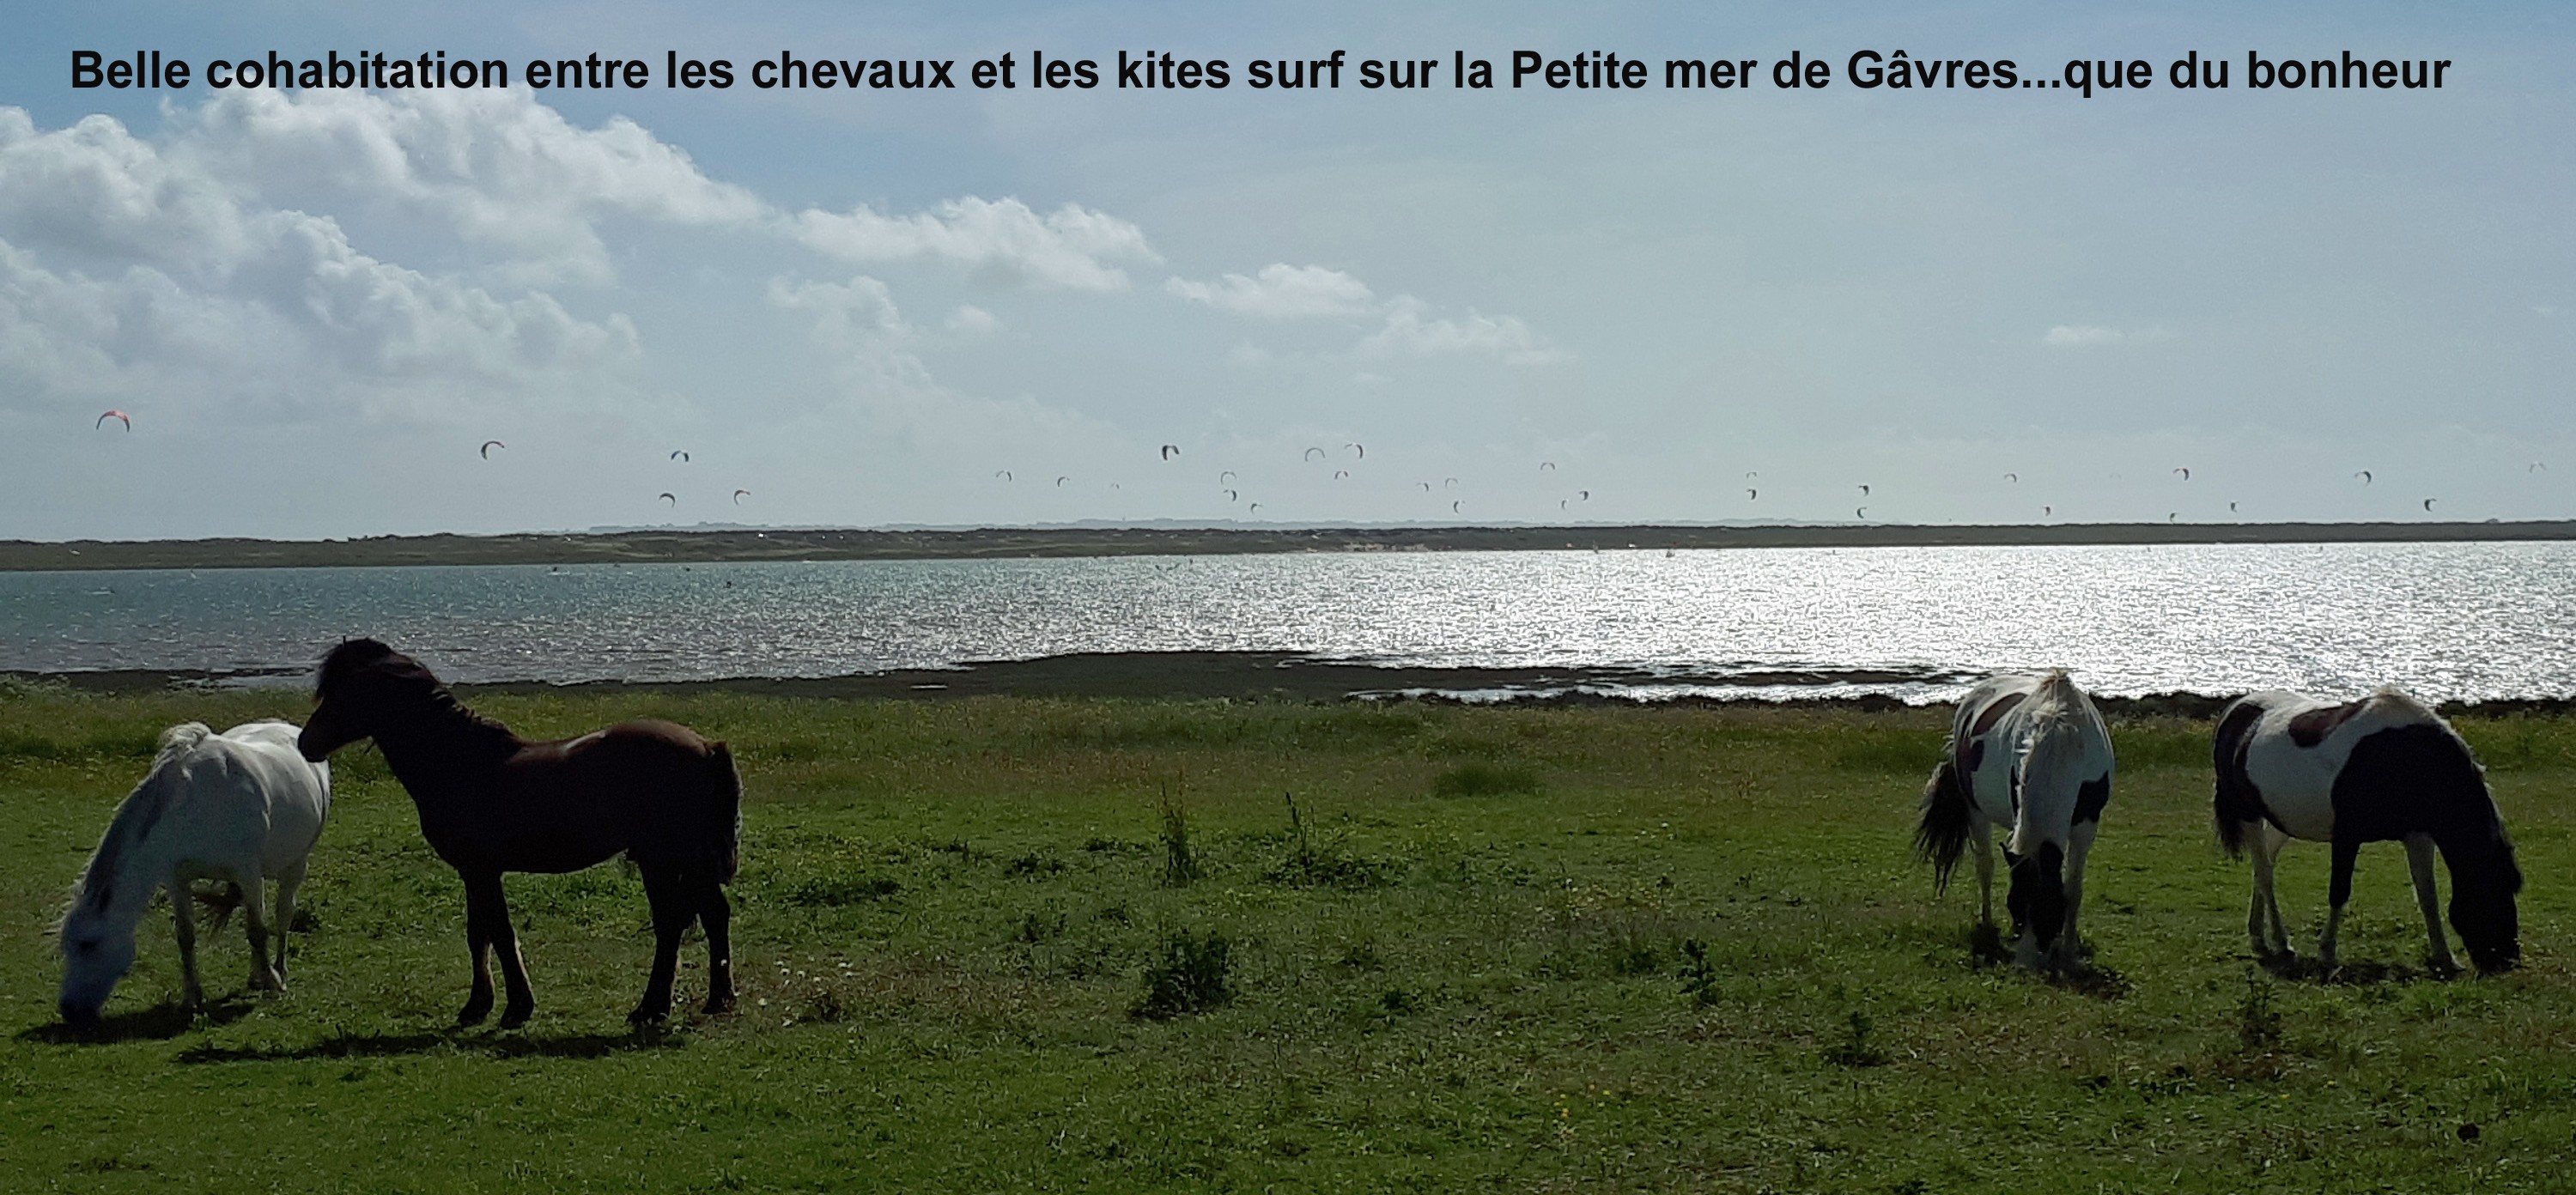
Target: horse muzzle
83, 1017
318, 740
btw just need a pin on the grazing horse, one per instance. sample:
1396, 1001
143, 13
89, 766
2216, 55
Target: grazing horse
2381, 768
2028, 753
239, 807
491, 802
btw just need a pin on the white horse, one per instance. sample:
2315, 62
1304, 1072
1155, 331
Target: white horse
242, 807
2028, 753
2381, 768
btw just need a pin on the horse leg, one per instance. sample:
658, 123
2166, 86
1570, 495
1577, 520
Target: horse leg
663, 886
286, 886
2263, 912
1982, 839
717, 916
2338, 891
479, 905
2069, 948
521, 1001
254, 887
183, 908
2419, 860
2272, 841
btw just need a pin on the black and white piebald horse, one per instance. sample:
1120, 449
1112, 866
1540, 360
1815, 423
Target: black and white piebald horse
2030, 754
2377, 769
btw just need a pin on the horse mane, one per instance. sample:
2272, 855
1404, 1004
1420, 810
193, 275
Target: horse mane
2390, 697
368, 657
135, 816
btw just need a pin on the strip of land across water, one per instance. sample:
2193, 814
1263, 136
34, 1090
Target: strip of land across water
1254, 676
745, 544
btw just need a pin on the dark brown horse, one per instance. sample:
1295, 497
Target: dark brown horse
491, 802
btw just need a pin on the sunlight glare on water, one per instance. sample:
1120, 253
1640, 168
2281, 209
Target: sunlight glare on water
2450, 621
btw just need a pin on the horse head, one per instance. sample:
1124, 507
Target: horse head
359, 679
2037, 898
96, 954
2484, 882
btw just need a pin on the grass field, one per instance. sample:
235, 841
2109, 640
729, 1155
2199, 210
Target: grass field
1577, 949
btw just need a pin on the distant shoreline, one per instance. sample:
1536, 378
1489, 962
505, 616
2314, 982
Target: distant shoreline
712, 546
1266, 676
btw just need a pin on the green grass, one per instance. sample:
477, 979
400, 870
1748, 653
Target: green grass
1529, 948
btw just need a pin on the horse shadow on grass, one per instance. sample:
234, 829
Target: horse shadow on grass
398, 1045
1986, 948
452, 1041
2296, 968
159, 1023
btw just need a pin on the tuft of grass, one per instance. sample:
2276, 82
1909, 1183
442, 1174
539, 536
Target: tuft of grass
1180, 866
825, 1006
1039, 926
1480, 779
1328, 865
1855, 1047
1634, 954
2258, 1024
1034, 864
1189, 978
1699, 976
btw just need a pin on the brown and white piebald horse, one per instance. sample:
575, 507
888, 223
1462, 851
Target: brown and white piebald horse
2378, 769
2028, 753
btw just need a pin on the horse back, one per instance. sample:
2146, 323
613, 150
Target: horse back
1985, 734
2375, 769
235, 799
2066, 763
655, 790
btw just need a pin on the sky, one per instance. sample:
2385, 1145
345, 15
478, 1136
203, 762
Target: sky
990, 306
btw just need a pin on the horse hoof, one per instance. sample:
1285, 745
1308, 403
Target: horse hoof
644, 1017
718, 1005
473, 1012
517, 1015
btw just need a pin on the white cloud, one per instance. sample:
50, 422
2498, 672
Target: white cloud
507, 174
1070, 248
197, 261
860, 312
1408, 331
1281, 291
497, 168
125, 269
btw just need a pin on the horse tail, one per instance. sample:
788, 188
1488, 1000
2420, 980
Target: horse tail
1943, 833
2238, 803
728, 791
